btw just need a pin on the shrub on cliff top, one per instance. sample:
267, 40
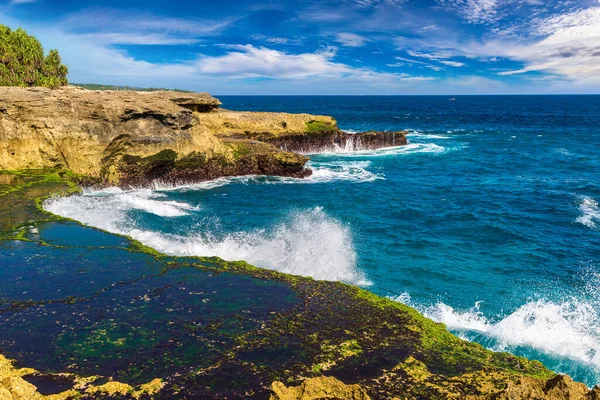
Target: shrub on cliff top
23, 63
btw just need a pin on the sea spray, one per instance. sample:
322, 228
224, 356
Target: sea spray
560, 330
308, 243
590, 212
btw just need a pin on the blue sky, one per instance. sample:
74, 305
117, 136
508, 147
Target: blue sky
324, 47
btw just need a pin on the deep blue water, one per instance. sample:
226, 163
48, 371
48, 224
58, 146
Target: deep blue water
487, 221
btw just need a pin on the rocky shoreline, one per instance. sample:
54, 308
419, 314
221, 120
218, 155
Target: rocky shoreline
127, 138
106, 317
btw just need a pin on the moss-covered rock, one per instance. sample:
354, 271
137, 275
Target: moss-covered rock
164, 327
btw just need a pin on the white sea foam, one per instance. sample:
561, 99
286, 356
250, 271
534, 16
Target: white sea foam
117, 200
590, 212
423, 135
411, 148
568, 330
323, 172
307, 243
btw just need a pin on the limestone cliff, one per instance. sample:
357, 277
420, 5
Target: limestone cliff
132, 138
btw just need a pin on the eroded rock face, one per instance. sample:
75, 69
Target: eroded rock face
74, 128
339, 141
134, 138
126, 137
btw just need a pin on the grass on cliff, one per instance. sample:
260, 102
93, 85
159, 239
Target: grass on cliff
95, 86
23, 63
318, 126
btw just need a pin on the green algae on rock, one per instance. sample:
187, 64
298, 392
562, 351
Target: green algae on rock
95, 315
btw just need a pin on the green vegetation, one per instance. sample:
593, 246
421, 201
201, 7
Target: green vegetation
318, 126
23, 63
95, 86
280, 328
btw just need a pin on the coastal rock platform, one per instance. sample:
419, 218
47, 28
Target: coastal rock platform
99, 315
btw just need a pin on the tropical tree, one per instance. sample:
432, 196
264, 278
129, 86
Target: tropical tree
23, 63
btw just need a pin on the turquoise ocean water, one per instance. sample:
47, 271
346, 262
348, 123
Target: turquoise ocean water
488, 221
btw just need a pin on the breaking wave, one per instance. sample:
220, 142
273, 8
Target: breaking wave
411, 148
308, 243
559, 330
590, 212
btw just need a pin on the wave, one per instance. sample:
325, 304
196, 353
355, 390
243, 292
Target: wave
562, 331
117, 200
590, 212
568, 330
411, 148
307, 243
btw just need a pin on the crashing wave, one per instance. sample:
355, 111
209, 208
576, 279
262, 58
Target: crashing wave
308, 243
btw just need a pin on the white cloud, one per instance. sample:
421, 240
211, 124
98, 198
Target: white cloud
411, 61
250, 61
351, 39
21, 1
570, 48
474, 11
139, 39
439, 57
110, 26
429, 28
378, 3
452, 63
429, 56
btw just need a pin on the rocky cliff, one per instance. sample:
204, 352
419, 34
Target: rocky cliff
133, 138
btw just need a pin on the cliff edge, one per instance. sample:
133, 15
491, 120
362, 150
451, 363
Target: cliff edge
134, 138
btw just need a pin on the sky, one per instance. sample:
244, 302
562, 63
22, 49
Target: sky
367, 47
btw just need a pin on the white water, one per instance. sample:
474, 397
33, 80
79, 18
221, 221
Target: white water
411, 148
590, 212
308, 243
323, 172
568, 329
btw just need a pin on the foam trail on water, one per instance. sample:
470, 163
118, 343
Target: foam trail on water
307, 243
590, 212
422, 135
117, 200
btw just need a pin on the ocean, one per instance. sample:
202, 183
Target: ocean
487, 221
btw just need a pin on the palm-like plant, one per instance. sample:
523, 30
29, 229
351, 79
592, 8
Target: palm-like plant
22, 61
